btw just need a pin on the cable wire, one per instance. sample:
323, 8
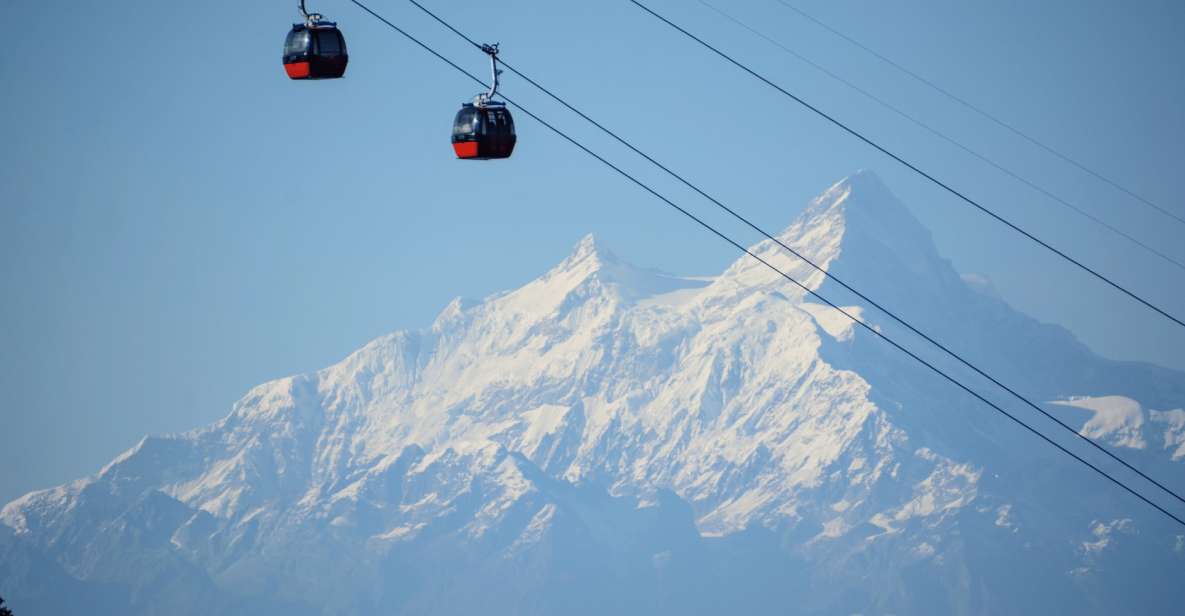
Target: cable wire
985, 114
939, 134
914, 168
775, 269
736, 215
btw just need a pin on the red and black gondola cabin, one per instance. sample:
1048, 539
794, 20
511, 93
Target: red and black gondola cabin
316, 50
483, 132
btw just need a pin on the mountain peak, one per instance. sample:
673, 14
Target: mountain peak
881, 239
866, 179
863, 197
855, 226
588, 251
588, 259
586, 246
859, 218
591, 270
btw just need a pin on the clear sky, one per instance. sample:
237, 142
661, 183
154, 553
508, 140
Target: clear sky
180, 222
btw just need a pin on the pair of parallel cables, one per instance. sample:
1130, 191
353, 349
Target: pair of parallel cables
857, 321
1047, 193
963, 103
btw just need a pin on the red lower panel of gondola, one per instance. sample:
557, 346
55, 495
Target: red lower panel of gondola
465, 149
297, 70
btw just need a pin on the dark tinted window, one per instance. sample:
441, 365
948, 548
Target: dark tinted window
297, 43
329, 43
500, 122
464, 124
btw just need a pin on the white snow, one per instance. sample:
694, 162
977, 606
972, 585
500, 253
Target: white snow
833, 322
722, 389
1003, 516
1116, 419
1103, 534
1174, 430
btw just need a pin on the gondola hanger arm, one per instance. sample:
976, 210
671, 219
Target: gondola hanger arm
309, 18
492, 51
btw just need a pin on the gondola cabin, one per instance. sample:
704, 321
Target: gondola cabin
483, 132
315, 50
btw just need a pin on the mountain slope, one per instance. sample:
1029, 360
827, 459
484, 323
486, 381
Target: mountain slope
619, 439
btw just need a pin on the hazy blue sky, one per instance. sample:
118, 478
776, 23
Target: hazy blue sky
179, 221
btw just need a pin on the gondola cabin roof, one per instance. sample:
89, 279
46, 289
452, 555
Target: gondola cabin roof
316, 25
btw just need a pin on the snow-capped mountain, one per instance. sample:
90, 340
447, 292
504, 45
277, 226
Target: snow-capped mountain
609, 438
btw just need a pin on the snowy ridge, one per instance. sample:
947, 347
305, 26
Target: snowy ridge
624, 418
